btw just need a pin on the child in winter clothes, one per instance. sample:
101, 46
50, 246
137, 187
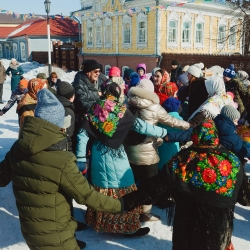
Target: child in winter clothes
16, 96
141, 70
167, 150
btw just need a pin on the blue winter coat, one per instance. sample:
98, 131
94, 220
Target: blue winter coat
228, 137
108, 170
167, 150
15, 76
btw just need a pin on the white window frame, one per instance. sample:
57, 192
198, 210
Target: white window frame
199, 44
141, 18
90, 36
107, 42
123, 69
221, 44
14, 49
173, 16
126, 22
171, 31
232, 38
186, 44
98, 28
23, 51
106, 70
1, 50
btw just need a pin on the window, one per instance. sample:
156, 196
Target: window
199, 33
172, 31
98, 35
127, 30
107, 68
221, 34
142, 32
1, 50
90, 35
107, 34
14, 50
23, 51
232, 36
186, 32
112, 2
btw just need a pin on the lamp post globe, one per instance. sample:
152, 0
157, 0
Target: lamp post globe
47, 6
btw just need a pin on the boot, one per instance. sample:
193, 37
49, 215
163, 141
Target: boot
81, 244
140, 232
146, 215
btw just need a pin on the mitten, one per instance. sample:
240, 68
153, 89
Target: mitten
135, 199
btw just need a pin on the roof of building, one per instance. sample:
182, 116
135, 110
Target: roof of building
10, 19
58, 27
5, 31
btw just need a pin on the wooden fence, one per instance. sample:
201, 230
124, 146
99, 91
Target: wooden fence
240, 62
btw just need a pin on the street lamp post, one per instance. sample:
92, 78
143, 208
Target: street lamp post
47, 9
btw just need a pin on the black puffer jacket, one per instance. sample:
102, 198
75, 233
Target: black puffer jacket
69, 120
85, 93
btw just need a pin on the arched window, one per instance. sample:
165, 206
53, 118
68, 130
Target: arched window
199, 32
23, 51
108, 32
232, 35
126, 31
1, 50
186, 31
221, 40
172, 30
14, 48
98, 33
142, 28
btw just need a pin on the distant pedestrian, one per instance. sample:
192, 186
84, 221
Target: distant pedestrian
176, 71
2, 79
53, 81
15, 71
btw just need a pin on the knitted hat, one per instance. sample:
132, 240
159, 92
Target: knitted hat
171, 104
13, 60
49, 108
183, 79
90, 65
195, 69
41, 76
84, 61
23, 83
65, 89
185, 68
229, 72
114, 71
127, 72
146, 84
230, 112
134, 79
174, 62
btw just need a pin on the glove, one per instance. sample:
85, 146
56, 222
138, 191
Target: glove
82, 165
135, 199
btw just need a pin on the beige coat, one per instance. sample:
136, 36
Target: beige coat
2, 74
148, 109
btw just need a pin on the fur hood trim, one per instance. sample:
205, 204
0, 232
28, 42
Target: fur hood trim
143, 94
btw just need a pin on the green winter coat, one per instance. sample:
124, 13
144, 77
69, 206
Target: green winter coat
15, 76
43, 181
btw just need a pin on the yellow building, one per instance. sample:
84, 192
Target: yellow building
124, 33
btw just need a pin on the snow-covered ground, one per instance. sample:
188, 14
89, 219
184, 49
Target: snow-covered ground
159, 236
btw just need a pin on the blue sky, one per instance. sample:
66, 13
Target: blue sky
37, 6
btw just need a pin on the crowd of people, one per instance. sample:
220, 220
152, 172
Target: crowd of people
120, 144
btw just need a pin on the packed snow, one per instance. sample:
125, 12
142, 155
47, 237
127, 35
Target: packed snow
159, 236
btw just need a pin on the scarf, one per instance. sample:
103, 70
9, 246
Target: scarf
12, 66
108, 120
207, 172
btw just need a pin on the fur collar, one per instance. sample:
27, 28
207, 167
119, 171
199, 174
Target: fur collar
143, 94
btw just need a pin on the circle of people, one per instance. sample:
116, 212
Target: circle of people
141, 139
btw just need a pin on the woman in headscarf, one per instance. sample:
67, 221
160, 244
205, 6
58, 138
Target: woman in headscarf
27, 105
164, 88
217, 99
107, 124
204, 181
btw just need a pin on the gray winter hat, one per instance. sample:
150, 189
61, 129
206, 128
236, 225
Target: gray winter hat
230, 112
49, 108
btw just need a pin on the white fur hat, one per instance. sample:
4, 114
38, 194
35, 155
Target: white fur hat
195, 69
146, 84
13, 60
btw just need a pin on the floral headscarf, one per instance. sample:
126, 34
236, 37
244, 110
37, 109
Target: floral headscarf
35, 85
207, 169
